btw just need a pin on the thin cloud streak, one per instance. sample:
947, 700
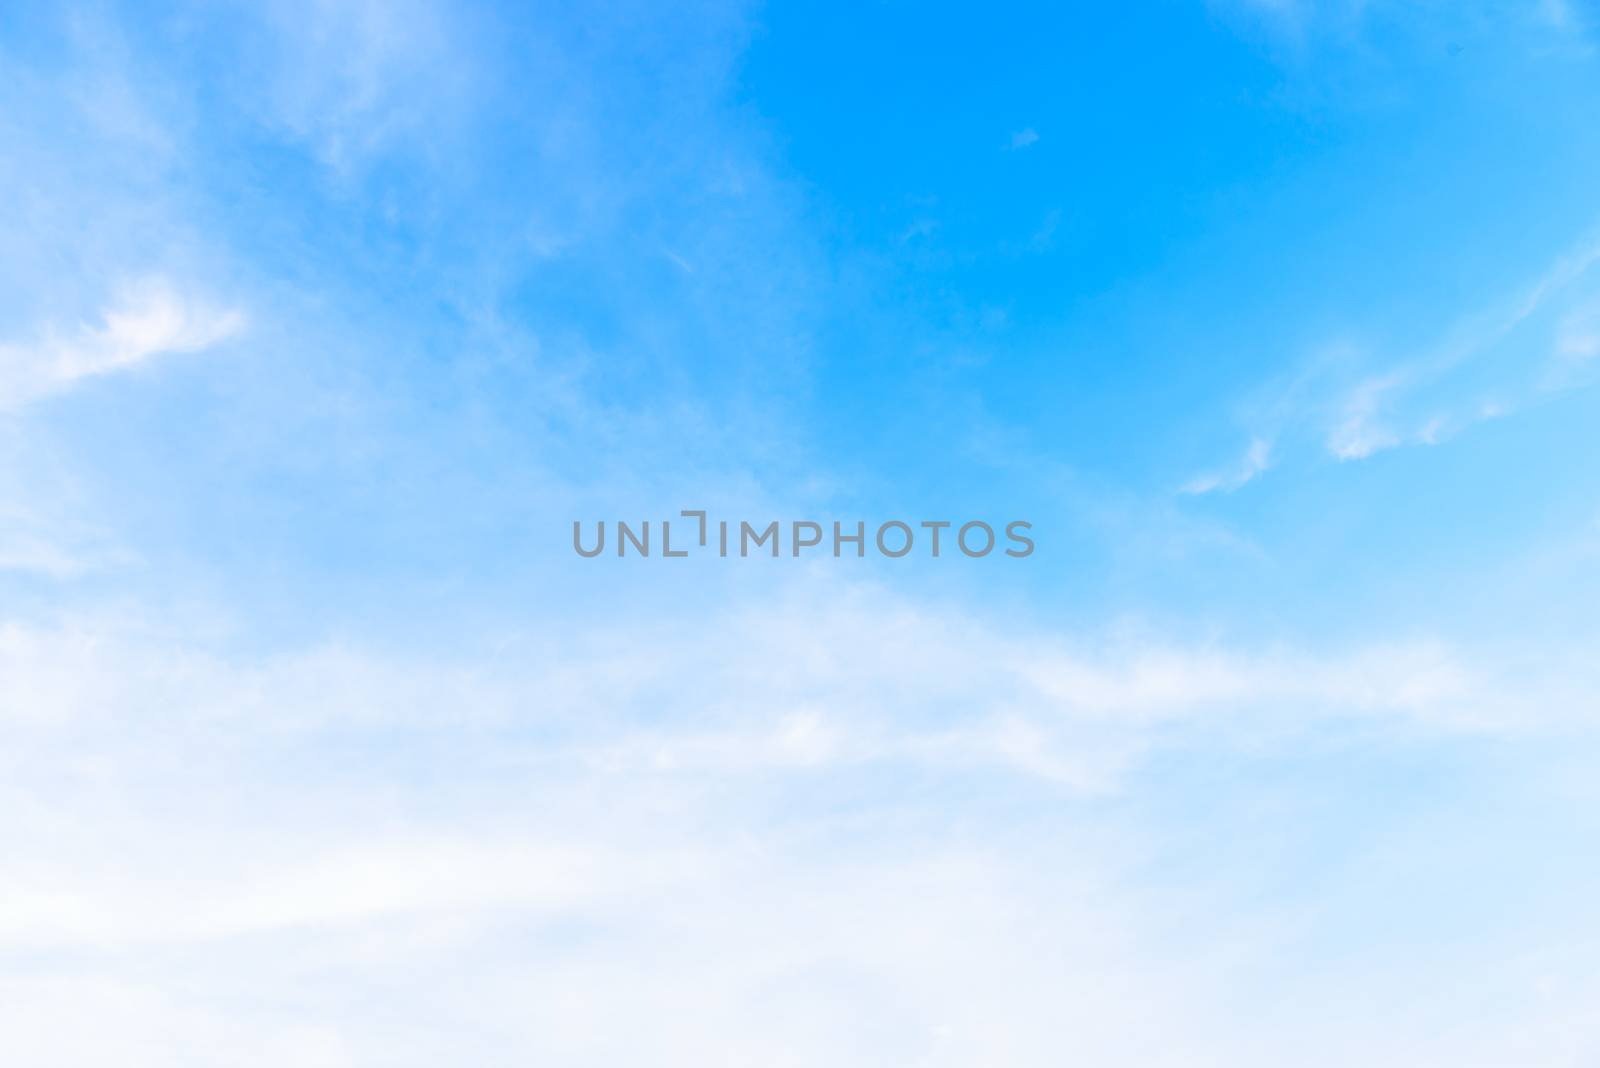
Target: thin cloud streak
151, 319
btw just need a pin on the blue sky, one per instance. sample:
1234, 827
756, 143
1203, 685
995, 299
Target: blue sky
320, 323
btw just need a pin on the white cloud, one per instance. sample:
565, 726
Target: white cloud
1024, 138
1579, 346
1256, 460
788, 834
348, 884
150, 319
1487, 366
1578, 337
828, 678
43, 529
1359, 432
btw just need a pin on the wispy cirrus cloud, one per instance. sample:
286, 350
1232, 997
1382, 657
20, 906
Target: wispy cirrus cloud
150, 319
1256, 460
1421, 401
1488, 366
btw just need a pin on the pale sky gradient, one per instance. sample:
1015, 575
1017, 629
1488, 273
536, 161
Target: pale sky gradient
320, 323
